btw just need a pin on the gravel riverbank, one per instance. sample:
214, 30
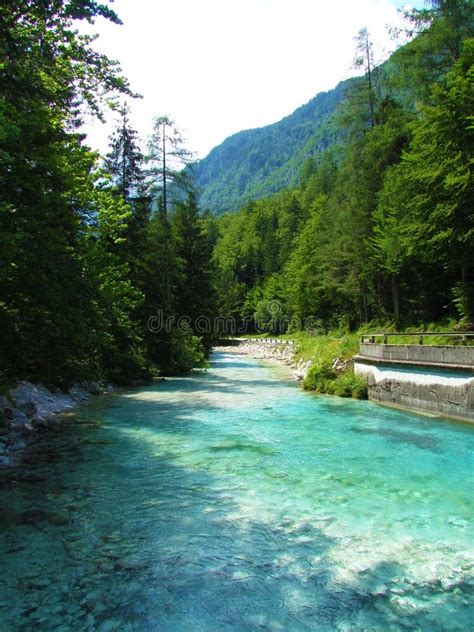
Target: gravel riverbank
30, 410
273, 350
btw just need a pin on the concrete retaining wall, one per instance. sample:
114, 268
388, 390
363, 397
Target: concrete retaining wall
399, 375
419, 354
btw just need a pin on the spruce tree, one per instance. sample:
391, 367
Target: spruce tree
124, 160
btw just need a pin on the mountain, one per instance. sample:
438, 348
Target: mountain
255, 163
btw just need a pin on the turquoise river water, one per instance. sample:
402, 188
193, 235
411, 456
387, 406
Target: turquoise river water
232, 500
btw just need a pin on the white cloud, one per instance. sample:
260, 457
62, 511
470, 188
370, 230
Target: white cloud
219, 66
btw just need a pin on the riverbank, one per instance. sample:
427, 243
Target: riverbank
271, 350
322, 363
30, 410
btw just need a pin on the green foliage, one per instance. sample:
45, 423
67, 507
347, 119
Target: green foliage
81, 257
463, 299
441, 31
381, 229
188, 352
349, 384
320, 378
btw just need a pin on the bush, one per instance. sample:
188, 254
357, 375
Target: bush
320, 377
348, 384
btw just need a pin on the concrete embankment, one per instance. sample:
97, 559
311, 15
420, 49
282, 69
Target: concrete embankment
434, 379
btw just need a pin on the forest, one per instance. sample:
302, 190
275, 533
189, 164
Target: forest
89, 252
380, 227
97, 253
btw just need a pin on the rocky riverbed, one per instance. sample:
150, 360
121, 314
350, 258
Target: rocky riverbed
30, 410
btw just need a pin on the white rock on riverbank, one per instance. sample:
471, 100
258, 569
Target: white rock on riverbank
31, 410
281, 351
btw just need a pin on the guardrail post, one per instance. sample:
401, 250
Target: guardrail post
385, 339
420, 340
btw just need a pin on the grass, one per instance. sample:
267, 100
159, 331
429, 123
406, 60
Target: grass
326, 347
323, 350
436, 329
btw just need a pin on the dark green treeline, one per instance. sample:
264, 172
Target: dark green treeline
381, 227
90, 261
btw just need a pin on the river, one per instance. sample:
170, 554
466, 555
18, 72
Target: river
231, 500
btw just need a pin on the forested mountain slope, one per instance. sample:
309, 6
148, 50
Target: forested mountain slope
380, 227
254, 163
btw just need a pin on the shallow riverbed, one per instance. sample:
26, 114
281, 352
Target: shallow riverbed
232, 500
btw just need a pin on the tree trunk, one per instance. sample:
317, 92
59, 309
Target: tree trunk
396, 298
166, 229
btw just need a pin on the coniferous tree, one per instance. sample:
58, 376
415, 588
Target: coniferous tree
438, 32
49, 75
124, 161
195, 292
365, 59
433, 187
166, 160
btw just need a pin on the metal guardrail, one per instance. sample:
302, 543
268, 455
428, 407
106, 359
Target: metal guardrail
465, 337
271, 340
259, 340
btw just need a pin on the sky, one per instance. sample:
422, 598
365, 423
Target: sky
220, 66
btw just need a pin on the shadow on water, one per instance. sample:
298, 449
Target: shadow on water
398, 436
148, 543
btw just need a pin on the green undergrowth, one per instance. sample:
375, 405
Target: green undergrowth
324, 351
322, 378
